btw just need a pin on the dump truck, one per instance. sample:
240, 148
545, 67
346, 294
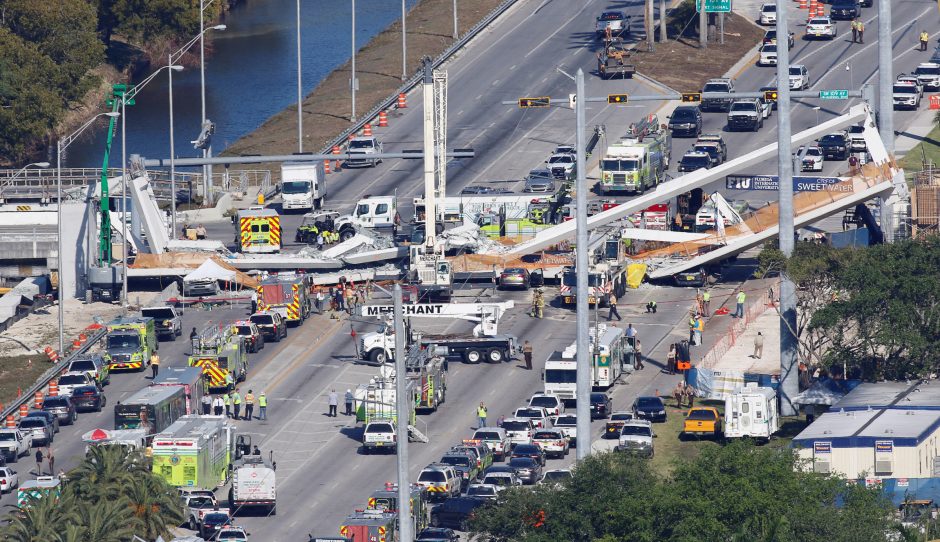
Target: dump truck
130, 343
254, 483
195, 451
222, 355
258, 231
286, 294
639, 160
613, 60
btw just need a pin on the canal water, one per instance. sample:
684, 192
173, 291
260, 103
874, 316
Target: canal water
251, 74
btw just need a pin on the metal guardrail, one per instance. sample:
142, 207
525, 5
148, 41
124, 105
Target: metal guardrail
51, 373
416, 78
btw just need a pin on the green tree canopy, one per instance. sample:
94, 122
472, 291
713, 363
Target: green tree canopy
735, 492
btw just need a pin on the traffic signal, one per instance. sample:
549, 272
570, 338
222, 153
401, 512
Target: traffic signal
691, 96
617, 98
543, 101
770, 96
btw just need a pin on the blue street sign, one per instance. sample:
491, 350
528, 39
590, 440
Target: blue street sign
771, 182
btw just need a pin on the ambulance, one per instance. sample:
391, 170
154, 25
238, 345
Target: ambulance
258, 231
195, 451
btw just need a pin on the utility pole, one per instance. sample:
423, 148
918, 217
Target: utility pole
352, 81
584, 361
789, 373
403, 416
663, 34
885, 77
703, 27
300, 90
455, 20
650, 38
404, 41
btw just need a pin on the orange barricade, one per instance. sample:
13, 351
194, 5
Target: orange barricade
383, 119
11, 422
53, 388
37, 400
24, 410
401, 101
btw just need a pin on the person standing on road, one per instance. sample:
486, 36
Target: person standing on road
333, 402
206, 404
249, 404
527, 354
154, 364
630, 332
38, 461
698, 329
262, 407
481, 415
227, 399
690, 394
254, 301
237, 402
854, 30
51, 458
924, 38
612, 302
706, 299
218, 406
861, 30
638, 347
671, 359
739, 309
678, 393
758, 345
349, 402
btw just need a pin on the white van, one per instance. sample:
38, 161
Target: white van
751, 411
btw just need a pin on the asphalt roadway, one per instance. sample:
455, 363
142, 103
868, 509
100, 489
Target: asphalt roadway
322, 477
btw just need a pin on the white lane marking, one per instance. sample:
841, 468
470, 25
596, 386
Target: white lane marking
560, 28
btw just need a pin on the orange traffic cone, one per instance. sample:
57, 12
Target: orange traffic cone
37, 400
326, 166
367, 130
336, 150
383, 119
804, 4
401, 101
24, 410
10, 421
53, 388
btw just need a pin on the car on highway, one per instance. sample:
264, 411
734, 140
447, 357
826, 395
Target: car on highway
906, 95
9, 480
719, 84
271, 324
230, 533
70, 381
197, 506
928, 75
768, 14
464, 464
478, 450
600, 405
636, 437
552, 404
441, 481
502, 479
717, 139
615, 21
538, 415
649, 407
14, 443
437, 534
693, 160
771, 37
49, 416
556, 477
568, 425
380, 434
812, 158
456, 513
565, 148
362, 147
799, 77
254, 339
911, 79
483, 491
527, 469
711, 149
212, 523
63, 407
514, 277
529, 450
835, 146
539, 180
616, 421
94, 365
686, 121
844, 10
495, 439
767, 56
821, 27
693, 278
89, 399
519, 430
39, 428
562, 166
857, 141
553, 442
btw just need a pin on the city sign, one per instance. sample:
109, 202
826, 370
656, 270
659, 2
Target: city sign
833, 94
800, 184
714, 6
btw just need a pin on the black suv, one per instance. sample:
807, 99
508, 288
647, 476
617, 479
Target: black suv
835, 146
271, 325
63, 407
686, 121
432, 534
456, 513
844, 10
600, 405
649, 408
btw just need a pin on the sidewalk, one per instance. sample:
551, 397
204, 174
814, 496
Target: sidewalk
913, 134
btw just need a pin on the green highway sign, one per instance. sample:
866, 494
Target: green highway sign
714, 6
833, 94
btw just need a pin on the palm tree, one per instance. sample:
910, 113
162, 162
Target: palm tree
156, 505
40, 518
106, 470
108, 520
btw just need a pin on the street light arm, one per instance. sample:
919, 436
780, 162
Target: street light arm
130, 94
182, 50
67, 140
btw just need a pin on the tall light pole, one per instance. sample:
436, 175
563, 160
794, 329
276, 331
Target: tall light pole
129, 95
885, 77
455, 20
206, 151
584, 354
61, 145
404, 41
352, 82
172, 59
789, 377
403, 414
300, 90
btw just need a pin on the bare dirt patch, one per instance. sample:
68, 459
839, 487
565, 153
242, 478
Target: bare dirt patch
378, 67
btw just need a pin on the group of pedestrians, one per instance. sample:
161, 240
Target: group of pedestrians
684, 393
333, 403
345, 297
48, 456
230, 404
858, 31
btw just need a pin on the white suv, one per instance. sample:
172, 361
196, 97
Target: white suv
768, 14
928, 75
380, 435
821, 27
70, 381
441, 481
906, 95
519, 430
552, 404
799, 77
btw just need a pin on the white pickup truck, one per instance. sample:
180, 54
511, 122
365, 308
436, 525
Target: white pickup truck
198, 506
361, 148
14, 443
380, 435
